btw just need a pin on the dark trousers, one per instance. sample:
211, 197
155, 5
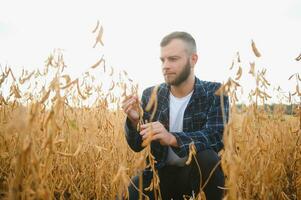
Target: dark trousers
176, 182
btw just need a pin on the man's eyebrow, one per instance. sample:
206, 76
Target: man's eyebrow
174, 56
168, 57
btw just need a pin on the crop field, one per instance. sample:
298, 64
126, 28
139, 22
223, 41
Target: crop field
63, 138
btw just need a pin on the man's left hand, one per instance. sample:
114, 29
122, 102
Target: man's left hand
157, 131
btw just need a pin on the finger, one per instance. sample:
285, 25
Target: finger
128, 109
151, 133
153, 124
145, 131
125, 107
154, 130
126, 98
134, 98
147, 135
144, 126
143, 134
127, 104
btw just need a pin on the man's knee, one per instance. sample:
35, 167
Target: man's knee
208, 162
208, 158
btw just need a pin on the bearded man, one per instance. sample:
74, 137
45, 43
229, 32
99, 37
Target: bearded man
188, 112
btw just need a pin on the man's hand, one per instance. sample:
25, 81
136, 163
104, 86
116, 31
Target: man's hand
157, 131
130, 106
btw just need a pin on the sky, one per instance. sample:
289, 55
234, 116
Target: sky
31, 30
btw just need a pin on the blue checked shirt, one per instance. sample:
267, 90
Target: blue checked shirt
202, 124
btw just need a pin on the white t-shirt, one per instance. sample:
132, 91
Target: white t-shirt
177, 108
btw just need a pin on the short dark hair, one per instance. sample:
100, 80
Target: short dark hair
184, 36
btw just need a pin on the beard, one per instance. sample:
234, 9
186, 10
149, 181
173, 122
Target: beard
183, 76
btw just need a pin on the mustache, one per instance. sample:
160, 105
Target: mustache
168, 73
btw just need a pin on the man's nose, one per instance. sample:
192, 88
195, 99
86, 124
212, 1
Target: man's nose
165, 65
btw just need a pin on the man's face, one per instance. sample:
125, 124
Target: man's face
176, 65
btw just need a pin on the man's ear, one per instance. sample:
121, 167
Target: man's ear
194, 59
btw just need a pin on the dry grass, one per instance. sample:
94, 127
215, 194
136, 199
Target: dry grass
62, 139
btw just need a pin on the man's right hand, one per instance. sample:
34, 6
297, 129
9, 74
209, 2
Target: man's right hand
130, 106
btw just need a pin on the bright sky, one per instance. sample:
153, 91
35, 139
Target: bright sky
30, 30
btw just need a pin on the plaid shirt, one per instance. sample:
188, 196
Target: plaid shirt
202, 124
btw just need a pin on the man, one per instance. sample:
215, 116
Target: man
188, 112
